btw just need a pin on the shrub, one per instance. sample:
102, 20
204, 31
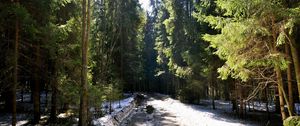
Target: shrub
292, 121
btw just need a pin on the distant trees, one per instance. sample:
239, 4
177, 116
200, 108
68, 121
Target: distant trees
183, 58
117, 44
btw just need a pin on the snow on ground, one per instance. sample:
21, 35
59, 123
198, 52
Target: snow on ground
116, 106
256, 105
24, 117
106, 120
5, 119
193, 115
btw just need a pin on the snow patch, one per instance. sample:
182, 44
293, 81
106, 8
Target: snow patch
193, 115
107, 120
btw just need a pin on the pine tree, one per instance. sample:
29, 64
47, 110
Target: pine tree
247, 37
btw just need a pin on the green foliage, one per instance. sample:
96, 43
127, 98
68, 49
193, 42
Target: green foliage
96, 95
181, 54
68, 90
112, 92
192, 92
292, 121
117, 43
246, 37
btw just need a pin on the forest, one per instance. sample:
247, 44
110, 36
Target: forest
169, 62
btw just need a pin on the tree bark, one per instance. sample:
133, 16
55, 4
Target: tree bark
235, 98
36, 88
212, 89
280, 92
289, 80
87, 45
267, 102
54, 94
294, 52
282, 95
83, 112
15, 78
241, 101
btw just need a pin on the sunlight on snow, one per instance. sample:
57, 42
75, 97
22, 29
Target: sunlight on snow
192, 115
145, 4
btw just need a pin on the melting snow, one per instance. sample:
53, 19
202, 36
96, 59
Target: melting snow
193, 115
106, 120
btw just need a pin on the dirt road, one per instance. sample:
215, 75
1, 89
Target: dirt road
170, 112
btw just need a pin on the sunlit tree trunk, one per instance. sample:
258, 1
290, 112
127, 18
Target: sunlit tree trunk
289, 80
280, 93
83, 112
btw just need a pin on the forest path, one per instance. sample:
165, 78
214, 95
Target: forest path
170, 112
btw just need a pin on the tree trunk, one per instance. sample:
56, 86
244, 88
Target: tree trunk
15, 78
277, 104
267, 102
36, 88
241, 101
281, 102
54, 94
280, 93
83, 112
212, 89
294, 52
289, 80
87, 46
234, 98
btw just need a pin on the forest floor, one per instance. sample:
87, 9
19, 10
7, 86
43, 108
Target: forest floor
168, 111
25, 108
172, 112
